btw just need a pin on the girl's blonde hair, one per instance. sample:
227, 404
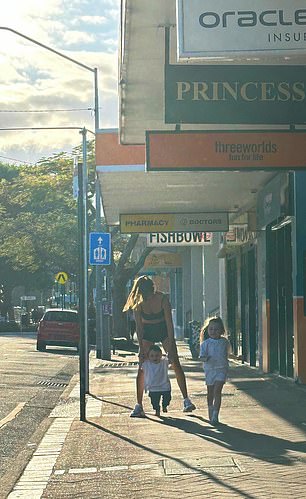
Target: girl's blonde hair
204, 329
143, 287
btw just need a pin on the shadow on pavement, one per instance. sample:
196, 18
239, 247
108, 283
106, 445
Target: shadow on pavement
101, 399
230, 487
258, 445
281, 396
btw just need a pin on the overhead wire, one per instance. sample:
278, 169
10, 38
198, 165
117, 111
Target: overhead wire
18, 160
45, 110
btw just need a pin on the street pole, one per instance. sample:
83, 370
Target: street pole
101, 351
99, 311
85, 257
96, 93
82, 349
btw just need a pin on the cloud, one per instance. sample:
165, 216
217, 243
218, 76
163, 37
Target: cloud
77, 37
96, 20
35, 79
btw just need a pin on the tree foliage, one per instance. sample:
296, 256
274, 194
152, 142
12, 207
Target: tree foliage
39, 227
38, 219
38, 222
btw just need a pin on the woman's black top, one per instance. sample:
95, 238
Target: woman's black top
153, 317
154, 332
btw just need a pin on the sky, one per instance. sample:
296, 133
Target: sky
41, 89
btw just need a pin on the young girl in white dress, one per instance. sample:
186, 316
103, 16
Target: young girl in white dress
214, 352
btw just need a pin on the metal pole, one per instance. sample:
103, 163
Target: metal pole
99, 311
85, 257
48, 48
100, 324
82, 350
20, 315
107, 335
96, 93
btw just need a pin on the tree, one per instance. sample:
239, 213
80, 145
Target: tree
38, 230
38, 222
38, 219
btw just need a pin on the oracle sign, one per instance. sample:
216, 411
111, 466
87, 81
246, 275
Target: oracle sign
218, 28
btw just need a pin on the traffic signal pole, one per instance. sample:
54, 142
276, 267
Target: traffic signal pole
81, 296
83, 279
99, 278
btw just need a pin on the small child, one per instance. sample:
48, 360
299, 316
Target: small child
214, 352
156, 379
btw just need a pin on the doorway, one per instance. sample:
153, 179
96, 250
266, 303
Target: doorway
249, 337
232, 303
279, 292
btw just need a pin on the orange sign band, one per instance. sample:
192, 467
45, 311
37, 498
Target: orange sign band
226, 150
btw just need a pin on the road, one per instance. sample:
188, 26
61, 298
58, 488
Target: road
31, 383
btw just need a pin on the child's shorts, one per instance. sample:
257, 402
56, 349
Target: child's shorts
213, 375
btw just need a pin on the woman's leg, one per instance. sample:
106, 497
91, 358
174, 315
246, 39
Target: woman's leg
179, 373
140, 376
139, 385
138, 411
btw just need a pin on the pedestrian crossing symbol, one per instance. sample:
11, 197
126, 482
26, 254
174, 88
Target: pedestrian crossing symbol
99, 248
61, 277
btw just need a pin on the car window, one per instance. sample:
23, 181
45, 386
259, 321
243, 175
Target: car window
61, 316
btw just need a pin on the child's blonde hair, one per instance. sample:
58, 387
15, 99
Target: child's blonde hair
204, 329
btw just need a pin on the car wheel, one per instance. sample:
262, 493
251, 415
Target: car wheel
41, 346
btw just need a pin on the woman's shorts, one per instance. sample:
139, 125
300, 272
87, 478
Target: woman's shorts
213, 375
155, 332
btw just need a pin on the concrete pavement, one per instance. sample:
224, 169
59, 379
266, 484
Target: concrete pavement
259, 451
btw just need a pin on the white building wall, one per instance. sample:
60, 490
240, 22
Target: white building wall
262, 303
197, 284
186, 277
211, 288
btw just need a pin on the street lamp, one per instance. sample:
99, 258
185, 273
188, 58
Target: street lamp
84, 361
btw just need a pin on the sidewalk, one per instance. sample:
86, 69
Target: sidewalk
258, 452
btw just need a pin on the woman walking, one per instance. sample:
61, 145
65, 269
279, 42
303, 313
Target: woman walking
154, 324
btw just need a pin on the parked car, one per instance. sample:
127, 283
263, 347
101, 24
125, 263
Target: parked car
58, 327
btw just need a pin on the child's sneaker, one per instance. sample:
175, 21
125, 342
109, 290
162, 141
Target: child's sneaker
165, 409
157, 412
188, 405
138, 412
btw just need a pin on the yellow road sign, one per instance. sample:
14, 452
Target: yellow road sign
61, 277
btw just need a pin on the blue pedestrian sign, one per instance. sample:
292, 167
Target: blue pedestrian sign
99, 248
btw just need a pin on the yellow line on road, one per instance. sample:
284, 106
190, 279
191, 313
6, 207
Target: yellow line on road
12, 414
